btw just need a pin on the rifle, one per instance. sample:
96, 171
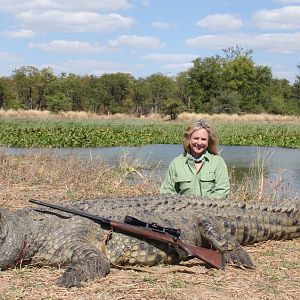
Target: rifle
150, 231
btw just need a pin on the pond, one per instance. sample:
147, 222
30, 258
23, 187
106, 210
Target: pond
281, 165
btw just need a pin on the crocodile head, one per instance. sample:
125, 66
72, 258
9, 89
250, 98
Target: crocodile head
11, 235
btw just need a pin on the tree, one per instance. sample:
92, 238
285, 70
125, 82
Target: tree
240, 77
226, 102
58, 102
141, 96
233, 53
294, 103
73, 87
204, 81
42, 81
24, 78
118, 88
32, 84
279, 97
8, 97
296, 86
172, 107
2, 92
95, 94
183, 91
161, 87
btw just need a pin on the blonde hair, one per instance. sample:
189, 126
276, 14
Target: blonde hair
212, 138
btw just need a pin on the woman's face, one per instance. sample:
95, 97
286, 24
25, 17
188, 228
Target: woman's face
199, 142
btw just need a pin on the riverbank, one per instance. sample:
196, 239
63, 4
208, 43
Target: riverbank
47, 130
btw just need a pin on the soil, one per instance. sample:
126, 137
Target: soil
277, 276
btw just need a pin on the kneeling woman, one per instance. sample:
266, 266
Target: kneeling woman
199, 170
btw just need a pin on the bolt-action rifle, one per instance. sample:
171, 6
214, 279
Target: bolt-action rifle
151, 231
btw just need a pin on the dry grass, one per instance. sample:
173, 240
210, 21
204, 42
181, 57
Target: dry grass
189, 117
277, 276
245, 118
48, 177
257, 185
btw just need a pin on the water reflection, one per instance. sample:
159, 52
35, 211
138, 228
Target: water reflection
282, 165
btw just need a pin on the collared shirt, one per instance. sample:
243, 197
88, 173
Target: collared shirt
210, 181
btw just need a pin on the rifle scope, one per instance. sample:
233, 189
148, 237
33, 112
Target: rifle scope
134, 221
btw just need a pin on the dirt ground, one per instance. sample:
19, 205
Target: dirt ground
277, 276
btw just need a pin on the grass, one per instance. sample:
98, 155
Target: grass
31, 132
65, 178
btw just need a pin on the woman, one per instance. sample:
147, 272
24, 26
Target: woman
199, 170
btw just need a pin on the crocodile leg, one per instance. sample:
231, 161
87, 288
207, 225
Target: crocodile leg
213, 232
78, 247
87, 263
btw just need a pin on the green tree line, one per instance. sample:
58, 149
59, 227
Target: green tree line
232, 83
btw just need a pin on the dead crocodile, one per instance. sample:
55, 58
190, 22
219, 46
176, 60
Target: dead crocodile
42, 236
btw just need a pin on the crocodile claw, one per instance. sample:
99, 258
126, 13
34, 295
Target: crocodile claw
71, 278
239, 258
79, 272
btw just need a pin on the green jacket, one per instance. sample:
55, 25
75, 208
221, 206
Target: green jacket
210, 181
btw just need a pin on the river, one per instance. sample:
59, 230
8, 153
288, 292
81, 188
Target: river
281, 165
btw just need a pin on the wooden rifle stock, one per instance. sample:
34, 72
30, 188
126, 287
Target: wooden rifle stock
209, 256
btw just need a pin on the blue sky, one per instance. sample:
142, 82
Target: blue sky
143, 37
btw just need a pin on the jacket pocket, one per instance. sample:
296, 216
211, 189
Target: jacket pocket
183, 185
208, 182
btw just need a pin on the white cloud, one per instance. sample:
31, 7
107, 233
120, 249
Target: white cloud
287, 1
178, 67
86, 67
276, 42
162, 25
13, 6
20, 34
145, 2
74, 21
136, 42
284, 74
175, 62
92, 5
282, 71
283, 18
221, 22
73, 47
178, 58
4, 56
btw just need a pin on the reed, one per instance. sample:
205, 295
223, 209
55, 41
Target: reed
255, 184
185, 117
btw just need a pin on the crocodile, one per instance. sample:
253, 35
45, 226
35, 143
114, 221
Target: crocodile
47, 237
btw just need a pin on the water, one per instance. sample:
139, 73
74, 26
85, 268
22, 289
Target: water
282, 165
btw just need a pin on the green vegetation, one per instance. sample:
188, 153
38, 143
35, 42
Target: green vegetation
233, 83
29, 133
